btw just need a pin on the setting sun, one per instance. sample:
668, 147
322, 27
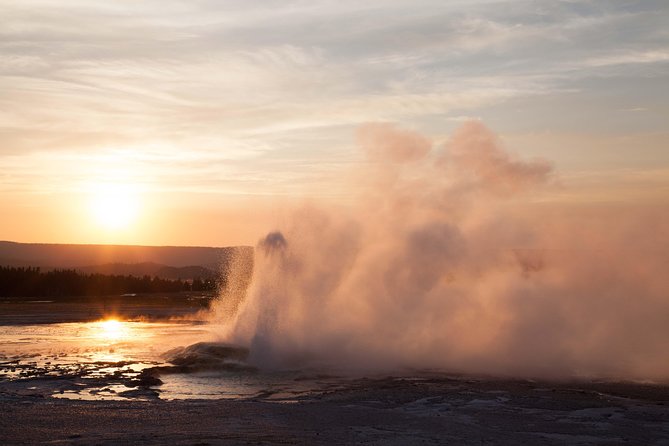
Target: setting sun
114, 206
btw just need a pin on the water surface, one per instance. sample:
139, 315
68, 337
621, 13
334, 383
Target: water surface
108, 359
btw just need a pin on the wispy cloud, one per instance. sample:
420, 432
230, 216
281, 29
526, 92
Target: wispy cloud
253, 81
630, 57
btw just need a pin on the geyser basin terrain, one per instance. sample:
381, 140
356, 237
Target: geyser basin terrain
427, 410
441, 263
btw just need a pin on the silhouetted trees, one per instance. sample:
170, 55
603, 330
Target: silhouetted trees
30, 281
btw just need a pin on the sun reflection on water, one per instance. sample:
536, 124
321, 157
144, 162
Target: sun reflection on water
102, 359
112, 330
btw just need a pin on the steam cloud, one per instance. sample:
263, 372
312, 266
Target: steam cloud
436, 265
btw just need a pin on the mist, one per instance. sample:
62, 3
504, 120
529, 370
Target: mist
451, 257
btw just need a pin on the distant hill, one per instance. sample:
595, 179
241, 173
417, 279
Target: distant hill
169, 262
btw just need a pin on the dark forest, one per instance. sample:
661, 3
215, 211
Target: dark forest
32, 282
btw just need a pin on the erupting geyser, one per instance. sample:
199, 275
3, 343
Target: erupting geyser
446, 260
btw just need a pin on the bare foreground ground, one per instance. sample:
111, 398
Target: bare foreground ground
414, 408
427, 410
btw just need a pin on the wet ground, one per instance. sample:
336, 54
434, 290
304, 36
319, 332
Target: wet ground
161, 378
118, 357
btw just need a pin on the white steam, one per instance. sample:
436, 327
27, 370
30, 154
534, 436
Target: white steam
436, 266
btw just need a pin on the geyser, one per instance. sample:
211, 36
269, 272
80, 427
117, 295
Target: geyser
446, 260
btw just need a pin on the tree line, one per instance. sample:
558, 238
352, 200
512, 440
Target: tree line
32, 282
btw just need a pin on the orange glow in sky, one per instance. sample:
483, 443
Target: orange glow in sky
221, 113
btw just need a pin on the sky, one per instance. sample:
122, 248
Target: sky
197, 122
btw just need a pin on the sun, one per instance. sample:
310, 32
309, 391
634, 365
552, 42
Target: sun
114, 206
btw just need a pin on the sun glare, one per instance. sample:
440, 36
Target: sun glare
114, 206
112, 329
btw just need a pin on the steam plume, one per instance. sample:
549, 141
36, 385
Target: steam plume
436, 266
